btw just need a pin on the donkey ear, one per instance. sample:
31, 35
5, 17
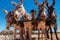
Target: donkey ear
5, 11
12, 11
13, 3
21, 1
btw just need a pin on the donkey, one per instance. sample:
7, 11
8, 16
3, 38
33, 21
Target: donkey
10, 19
52, 20
27, 26
41, 18
20, 10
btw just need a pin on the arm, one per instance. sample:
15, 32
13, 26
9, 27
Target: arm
36, 2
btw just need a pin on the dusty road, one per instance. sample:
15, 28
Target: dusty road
34, 36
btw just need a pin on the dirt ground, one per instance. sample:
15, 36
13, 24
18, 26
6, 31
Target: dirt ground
36, 37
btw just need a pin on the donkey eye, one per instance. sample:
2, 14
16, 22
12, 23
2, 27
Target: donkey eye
19, 7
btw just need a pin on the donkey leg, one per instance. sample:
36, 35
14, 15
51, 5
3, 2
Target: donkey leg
14, 34
38, 34
21, 35
25, 34
51, 33
42, 35
56, 33
29, 31
47, 34
44, 32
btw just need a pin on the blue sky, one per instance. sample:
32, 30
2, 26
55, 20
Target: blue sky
28, 4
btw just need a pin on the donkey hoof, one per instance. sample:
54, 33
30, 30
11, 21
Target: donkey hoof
58, 39
48, 38
51, 38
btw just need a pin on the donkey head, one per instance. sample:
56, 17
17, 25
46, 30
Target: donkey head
20, 10
9, 18
42, 11
53, 15
19, 7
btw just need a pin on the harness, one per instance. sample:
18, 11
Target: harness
20, 23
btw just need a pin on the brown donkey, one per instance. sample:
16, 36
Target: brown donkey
41, 18
20, 10
27, 26
10, 19
52, 19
